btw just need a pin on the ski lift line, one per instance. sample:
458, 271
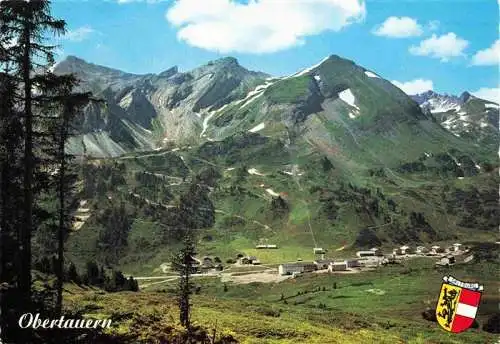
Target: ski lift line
309, 223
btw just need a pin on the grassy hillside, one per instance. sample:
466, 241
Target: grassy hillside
383, 306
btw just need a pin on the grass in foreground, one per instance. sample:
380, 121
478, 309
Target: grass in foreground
382, 306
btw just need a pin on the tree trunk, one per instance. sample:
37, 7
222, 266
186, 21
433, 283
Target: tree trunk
27, 227
62, 214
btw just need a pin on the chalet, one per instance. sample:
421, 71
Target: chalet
437, 249
446, 261
322, 264
318, 250
261, 247
337, 266
422, 249
297, 267
353, 263
406, 250
362, 254
255, 261
249, 260
371, 261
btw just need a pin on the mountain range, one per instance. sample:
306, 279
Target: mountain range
331, 156
466, 116
152, 111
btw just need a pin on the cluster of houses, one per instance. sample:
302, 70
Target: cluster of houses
206, 264
248, 260
321, 264
375, 257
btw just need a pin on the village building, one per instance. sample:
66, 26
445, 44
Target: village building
371, 261
318, 250
377, 251
337, 266
322, 264
422, 250
249, 260
397, 252
457, 247
261, 247
437, 249
296, 267
353, 263
362, 254
446, 261
406, 250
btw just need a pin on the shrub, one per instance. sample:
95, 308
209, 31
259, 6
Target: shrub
493, 324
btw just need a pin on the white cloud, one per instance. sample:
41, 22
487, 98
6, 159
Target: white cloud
79, 34
416, 86
399, 27
489, 56
443, 47
491, 94
263, 26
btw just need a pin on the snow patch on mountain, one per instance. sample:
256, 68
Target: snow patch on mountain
254, 94
257, 128
371, 74
205, 122
254, 171
436, 103
348, 97
272, 192
310, 69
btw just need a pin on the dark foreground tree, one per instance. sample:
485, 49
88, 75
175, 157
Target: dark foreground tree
27, 22
183, 264
23, 57
61, 105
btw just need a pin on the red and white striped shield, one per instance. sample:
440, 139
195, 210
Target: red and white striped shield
457, 305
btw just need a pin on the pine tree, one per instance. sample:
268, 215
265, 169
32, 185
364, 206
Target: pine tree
182, 263
61, 105
27, 23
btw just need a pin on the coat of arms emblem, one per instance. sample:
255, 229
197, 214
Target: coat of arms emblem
457, 305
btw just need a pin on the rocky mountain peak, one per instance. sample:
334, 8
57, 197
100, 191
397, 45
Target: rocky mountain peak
80, 67
226, 61
169, 72
465, 96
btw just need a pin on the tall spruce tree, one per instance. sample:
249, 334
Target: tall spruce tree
27, 22
183, 264
60, 106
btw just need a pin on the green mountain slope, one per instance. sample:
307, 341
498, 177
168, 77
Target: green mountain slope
332, 157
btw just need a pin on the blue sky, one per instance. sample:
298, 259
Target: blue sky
447, 45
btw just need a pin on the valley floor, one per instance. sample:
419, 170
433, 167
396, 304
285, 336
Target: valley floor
379, 306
